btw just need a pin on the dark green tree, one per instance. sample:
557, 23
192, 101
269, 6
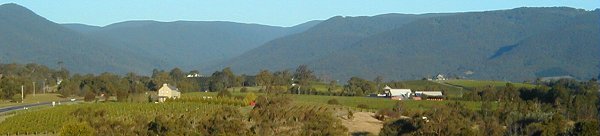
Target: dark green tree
303, 76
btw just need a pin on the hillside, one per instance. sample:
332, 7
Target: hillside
27, 38
480, 42
453, 45
131, 46
569, 50
190, 44
508, 45
326, 38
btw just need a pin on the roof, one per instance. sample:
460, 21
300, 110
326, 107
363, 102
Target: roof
399, 92
387, 87
430, 93
170, 87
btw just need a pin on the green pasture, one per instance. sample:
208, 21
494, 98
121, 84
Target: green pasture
374, 103
472, 84
30, 98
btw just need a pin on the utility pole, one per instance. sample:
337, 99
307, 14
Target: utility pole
22, 94
33, 88
44, 86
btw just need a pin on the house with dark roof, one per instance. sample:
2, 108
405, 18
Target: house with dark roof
168, 92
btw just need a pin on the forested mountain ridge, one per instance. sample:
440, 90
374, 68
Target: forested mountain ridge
131, 46
517, 44
478, 43
328, 37
191, 43
28, 38
570, 50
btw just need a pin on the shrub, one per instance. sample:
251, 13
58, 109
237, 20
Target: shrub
76, 129
89, 96
350, 114
250, 97
239, 97
383, 113
16, 98
363, 106
224, 93
399, 127
333, 102
586, 128
244, 89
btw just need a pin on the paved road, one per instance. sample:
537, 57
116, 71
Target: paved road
20, 107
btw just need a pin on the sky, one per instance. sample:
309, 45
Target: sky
267, 12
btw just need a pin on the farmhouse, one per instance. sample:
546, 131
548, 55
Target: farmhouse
168, 91
194, 75
439, 77
429, 95
398, 94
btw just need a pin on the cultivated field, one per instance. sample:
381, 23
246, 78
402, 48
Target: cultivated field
50, 120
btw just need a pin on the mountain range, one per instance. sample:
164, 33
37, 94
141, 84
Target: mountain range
516, 44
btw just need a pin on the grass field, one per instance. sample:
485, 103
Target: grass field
250, 88
34, 99
353, 101
472, 84
322, 87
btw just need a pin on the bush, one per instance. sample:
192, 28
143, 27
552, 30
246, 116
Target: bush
333, 102
16, 98
89, 96
76, 129
586, 128
239, 97
350, 114
244, 89
250, 97
399, 127
383, 113
224, 93
363, 106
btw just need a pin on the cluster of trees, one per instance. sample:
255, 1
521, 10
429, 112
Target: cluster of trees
564, 107
298, 82
125, 88
90, 86
38, 78
32, 77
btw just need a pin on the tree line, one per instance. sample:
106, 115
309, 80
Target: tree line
125, 87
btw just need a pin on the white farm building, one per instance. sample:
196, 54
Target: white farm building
168, 91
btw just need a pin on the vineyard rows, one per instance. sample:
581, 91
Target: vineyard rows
52, 119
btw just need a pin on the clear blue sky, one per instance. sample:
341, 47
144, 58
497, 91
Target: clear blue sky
269, 12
